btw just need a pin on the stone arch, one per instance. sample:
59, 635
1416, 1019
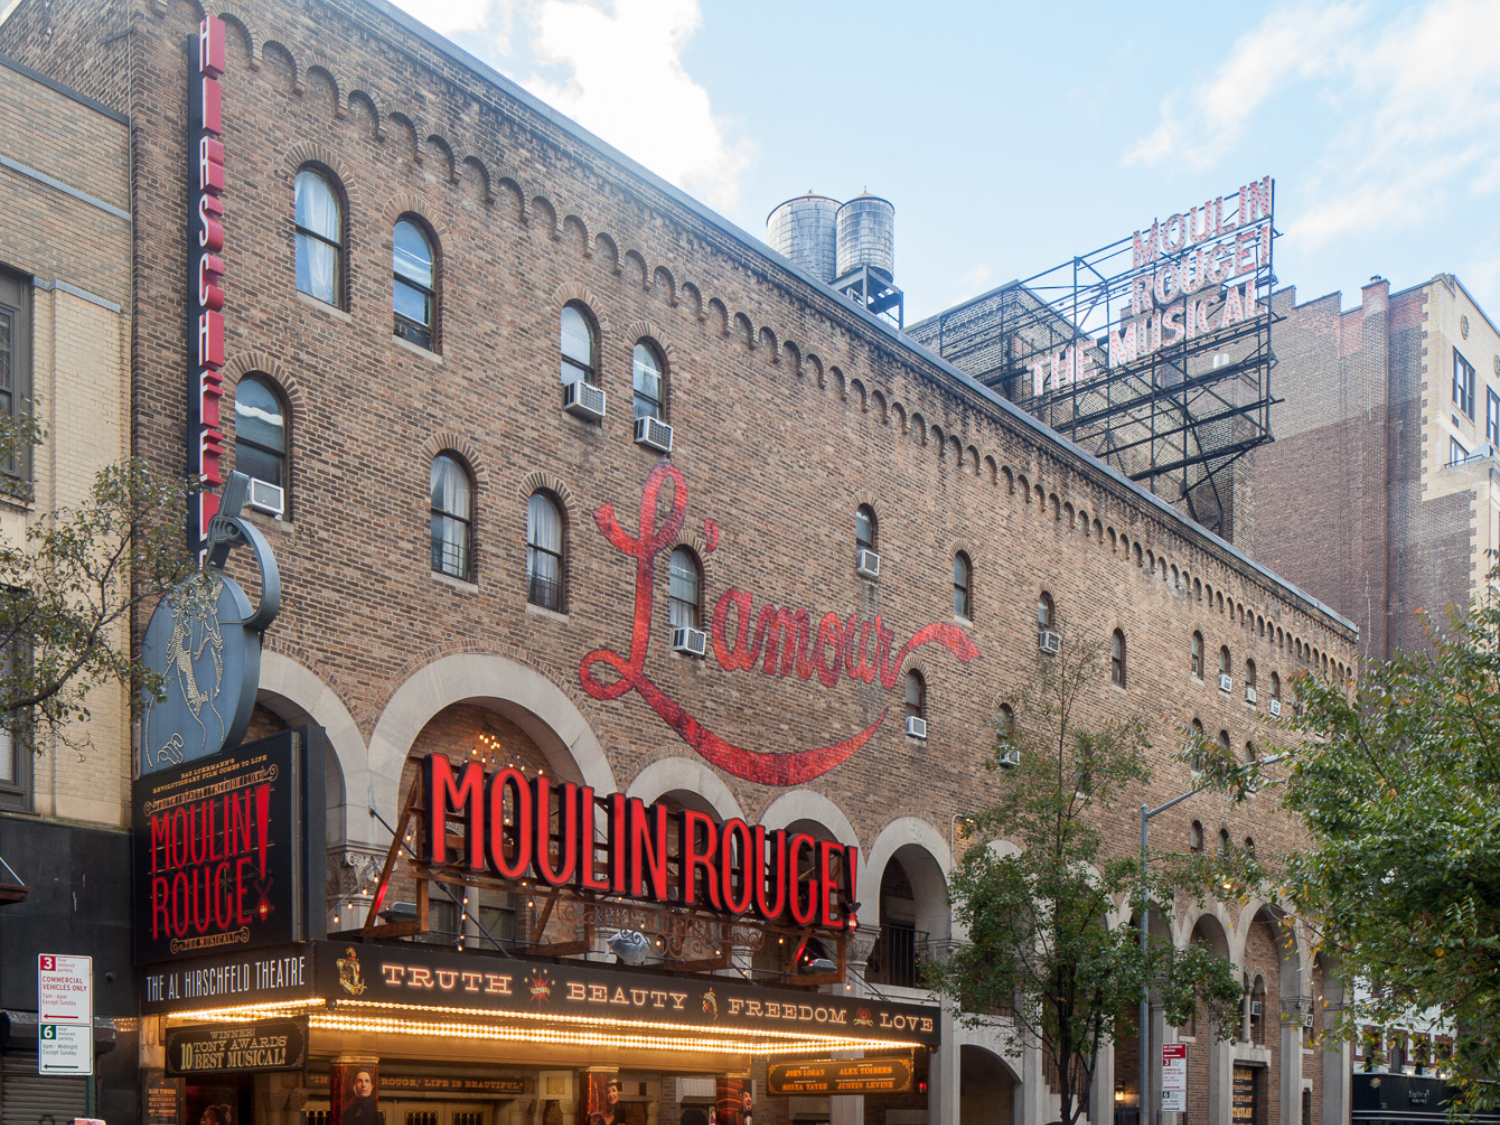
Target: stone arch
296, 695
692, 297
744, 331
809, 805
767, 339
638, 330
320, 81
633, 270
898, 412
233, 18
901, 833
406, 130
608, 252
544, 481
481, 174
368, 109
519, 692
919, 429
407, 204
956, 450
939, 441
576, 236
992, 471
544, 215
682, 775
971, 459
445, 441
280, 60
857, 392
718, 316
1008, 479
444, 153
302, 154
665, 284
510, 191
242, 363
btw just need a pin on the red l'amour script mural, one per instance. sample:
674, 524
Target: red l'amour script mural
853, 647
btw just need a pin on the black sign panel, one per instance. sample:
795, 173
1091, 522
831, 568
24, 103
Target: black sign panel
277, 1044
221, 850
1246, 1105
840, 1076
227, 980
414, 975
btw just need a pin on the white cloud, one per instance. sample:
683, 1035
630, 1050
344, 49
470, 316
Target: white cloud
628, 84
1412, 106
616, 67
1289, 45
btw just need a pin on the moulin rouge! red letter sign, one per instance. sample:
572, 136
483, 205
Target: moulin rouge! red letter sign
840, 647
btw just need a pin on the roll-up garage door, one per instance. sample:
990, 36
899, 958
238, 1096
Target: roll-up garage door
29, 1098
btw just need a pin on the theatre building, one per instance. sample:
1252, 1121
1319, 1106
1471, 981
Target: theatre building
647, 610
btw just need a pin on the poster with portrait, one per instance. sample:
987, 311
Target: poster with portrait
354, 1093
734, 1101
211, 1105
601, 1100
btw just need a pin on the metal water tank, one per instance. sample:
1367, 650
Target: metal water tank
805, 230
867, 236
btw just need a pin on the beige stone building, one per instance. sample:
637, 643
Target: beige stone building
65, 244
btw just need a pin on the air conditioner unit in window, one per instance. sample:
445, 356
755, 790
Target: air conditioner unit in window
1256, 1007
267, 497
1048, 641
653, 432
1226, 682
694, 642
1249, 693
1276, 707
1009, 758
867, 564
915, 727
584, 400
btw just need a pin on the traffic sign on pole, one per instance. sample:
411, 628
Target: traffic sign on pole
65, 1014
1174, 1077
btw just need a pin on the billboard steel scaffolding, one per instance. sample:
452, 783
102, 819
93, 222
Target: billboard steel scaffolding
1153, 353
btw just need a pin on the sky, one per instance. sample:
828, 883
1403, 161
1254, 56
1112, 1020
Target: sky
1011, 137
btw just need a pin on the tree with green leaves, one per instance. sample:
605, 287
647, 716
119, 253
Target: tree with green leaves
69, 585
1398, 784
1039, 945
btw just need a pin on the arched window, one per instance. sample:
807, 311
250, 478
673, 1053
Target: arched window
452, 518
1224, 660
1195, 836
1197, 655
963, 587
1005, 723
578, 346
684, 586
1117, 659
260, 441
916, 695
1250, 753
1249, 681
1044, 612
1224, 744
1276, 687
320, 237
1223, 839
1195, 746
544, 552
414, 291
648, 374
864, 528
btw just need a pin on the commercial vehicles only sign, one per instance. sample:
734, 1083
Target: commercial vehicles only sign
65, 1014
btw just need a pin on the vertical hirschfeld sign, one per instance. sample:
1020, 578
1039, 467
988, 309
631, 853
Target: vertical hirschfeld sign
65, 1014
206, 273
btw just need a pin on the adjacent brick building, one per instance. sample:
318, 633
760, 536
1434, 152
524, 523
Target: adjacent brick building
65, 259
421, 265
1380, 494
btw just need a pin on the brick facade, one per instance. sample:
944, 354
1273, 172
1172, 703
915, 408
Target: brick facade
789, 409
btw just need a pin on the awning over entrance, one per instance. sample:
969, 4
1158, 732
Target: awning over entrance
409, 990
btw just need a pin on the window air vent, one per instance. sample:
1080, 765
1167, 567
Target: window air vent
653, 432
1048, 641
584, 400
1276, 708
915, 727
867, 564
1249, 694
267, 497
694, 642
1226, 682
1010, 758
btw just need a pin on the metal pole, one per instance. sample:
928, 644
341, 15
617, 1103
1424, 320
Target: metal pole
1144, 1039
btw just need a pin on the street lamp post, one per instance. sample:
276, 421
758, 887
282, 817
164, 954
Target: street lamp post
1144, 1034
